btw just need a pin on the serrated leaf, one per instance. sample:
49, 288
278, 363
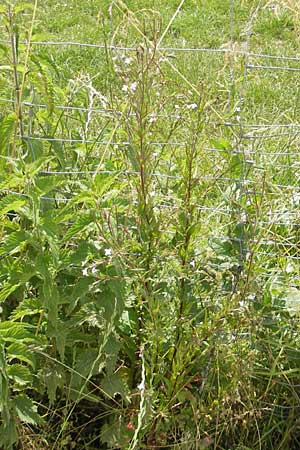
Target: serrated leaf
78, 226
87, 364
59, 333
111, 349
113, 385
7, 289
15, 242
29, 307
220, 144
27, 410
23, 274
8, 435
50, 299
18, 350
80, 290
80, 254
53, 378
15, 331
47, 83
13, 182
103, 182
90, 314
34, 168
19, 374
7, 126
11, 203
86, 197
45, 184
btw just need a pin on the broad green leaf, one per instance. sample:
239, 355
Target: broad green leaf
78, 226
53, 378
19, 374
59, 333
35, 167
87, 197
44, 80
27, 410
87, 364
83, 252
113, 436
8, 435
15, 242
29, 307
7, 289
11, 203
113, 385
16, 331
35, 150
22, 6
23, 274
79, 291
220, 144
14, 182
46, 184
103, 183
111, 348
18, 350
91, 315
7, 126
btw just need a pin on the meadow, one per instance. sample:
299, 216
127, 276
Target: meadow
149, 224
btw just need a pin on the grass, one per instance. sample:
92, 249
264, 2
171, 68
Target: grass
150, 289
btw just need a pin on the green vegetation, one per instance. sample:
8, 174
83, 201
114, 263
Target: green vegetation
149, 224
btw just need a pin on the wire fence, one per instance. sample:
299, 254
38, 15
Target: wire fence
263, 190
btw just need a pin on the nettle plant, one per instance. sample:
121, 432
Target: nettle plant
62, 291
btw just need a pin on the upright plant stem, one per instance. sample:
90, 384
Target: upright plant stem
19, 85
18, 95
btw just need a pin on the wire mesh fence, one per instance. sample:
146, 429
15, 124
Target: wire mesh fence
249, 159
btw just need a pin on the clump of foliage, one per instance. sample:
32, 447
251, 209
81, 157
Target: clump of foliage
138, 308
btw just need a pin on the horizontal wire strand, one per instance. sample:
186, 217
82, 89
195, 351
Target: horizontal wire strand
162, 49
